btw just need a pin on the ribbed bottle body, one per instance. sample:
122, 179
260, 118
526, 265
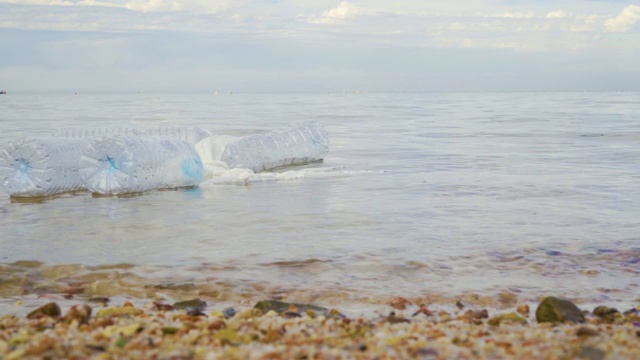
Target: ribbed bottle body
189, 134
41, 166
129, 164
294, 145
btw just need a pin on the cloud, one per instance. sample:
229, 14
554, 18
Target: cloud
197, 6
556, 14
621, 23
336, 15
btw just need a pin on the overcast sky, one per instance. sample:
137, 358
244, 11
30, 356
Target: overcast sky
305, 45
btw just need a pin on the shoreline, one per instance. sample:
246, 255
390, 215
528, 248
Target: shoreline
273, 329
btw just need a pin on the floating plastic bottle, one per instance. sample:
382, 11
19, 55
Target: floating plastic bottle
294, 145
191, 135
128, 164
41, 167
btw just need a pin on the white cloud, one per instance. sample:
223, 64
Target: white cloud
198, 6
556, 14
336, 15
621, 23
516, 15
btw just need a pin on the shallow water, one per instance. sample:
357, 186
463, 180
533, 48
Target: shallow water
421, 195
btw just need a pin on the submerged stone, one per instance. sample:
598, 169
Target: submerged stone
554, 310
119, 311
190, 304
510, 317
280, 307
50, 310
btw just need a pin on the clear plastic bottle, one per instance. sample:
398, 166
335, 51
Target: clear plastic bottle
189, 134
295, 145
129, 164
41, 166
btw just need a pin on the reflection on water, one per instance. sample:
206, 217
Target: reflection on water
422, 195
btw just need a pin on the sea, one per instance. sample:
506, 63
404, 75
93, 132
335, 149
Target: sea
491, 199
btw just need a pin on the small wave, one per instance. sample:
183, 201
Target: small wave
240, 176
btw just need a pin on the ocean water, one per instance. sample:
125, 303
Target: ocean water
434, 196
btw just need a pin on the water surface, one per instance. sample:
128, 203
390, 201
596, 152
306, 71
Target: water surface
421, 195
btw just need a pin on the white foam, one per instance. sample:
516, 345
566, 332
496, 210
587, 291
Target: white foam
240, 176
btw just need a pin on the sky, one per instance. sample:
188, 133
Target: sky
321, 45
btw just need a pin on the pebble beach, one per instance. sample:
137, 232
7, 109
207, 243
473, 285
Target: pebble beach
113, 328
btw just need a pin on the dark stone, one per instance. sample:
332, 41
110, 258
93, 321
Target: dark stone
229, 312
591, 353
195, 312
50, 310
631, 311
190, 304
425, 353
554, 310
280, 307
554, 253
606, 313
586, 331
99, 299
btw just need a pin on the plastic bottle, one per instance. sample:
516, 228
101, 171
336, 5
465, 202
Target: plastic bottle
191, 135
41, 166
295, 145
127, 164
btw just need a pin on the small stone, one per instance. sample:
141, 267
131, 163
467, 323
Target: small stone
523, 310
73, 290
195, 312
280, 306
229, 312
507, 298
162, 306
554, 310
50, 310
586, 331
193, 303
606, 313
591, 353
510, 317
476, 314
79, 313
423, 310
393, 319
399, 303
292, 312
169, 330
99, 299
216, 325
425, 353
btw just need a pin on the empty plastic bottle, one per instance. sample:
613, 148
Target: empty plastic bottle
295, 145
191, 135
93, 132
41, 167
126, 164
